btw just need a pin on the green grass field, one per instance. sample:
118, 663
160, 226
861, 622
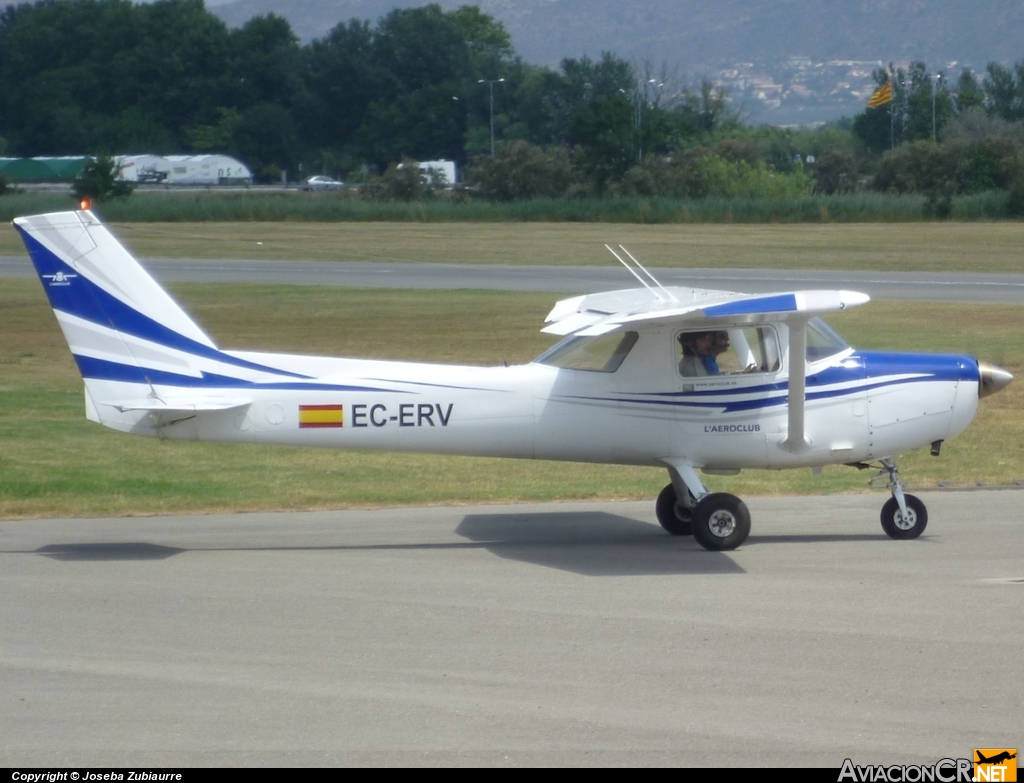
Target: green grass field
258, 204
54, 462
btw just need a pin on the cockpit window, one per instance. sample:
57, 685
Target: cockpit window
596, 354
748, 349
822, 341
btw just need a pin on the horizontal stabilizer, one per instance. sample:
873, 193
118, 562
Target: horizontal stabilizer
152, 413
180, 406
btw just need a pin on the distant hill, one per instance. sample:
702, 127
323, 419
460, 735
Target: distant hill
700, 36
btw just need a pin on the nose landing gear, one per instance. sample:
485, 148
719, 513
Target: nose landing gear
903, 516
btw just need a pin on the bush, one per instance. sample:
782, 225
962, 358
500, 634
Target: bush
698, 173
674, 177
835, 172
938, 201
403, 181
1015, 201
955, 166
913, 168
98, 181
740, 178
520, 170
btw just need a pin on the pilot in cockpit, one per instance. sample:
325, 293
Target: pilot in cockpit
701, 351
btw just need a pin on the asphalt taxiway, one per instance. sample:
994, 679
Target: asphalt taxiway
560, 634
910, 286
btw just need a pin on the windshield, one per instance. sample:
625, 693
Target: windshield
822, 341
597, 354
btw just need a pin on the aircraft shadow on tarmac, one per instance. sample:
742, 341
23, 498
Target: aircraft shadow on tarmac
127, 550
586, 543
592, 544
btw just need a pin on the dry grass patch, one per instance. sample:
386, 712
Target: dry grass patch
946, 247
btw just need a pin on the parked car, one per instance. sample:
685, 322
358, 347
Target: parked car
320, 182
151, 175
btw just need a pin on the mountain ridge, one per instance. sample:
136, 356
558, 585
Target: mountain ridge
697, 36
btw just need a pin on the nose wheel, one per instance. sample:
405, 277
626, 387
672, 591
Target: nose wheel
903, 516
904, 525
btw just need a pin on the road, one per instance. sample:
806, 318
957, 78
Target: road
564, 634
919, 286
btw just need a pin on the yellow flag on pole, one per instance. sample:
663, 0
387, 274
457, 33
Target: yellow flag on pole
881, 96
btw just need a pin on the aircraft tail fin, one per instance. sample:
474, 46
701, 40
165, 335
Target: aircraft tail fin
139, 353
90, 278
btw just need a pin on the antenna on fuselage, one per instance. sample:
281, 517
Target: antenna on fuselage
659, 294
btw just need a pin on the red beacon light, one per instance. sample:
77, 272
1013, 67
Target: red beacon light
84, 204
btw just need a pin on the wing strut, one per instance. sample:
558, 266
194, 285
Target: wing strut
796, 440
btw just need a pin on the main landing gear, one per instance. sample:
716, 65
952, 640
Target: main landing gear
676, 517
717, 520
720, 521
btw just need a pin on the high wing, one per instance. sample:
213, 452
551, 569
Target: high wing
597, 314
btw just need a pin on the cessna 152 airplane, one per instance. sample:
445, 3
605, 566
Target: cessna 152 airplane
681, 378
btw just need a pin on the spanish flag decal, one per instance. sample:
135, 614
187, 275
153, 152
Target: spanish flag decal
321, 416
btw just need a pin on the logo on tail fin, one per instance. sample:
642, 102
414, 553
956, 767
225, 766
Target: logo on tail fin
59, 278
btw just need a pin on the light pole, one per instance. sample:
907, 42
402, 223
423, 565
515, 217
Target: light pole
935, 87
636, 124
638, 101
491, 83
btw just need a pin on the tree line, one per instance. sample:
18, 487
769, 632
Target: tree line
113, 77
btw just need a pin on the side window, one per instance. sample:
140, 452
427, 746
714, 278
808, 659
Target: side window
749, 349
596, 354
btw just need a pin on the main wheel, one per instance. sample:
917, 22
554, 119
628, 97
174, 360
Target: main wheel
897, 526
721, 521
672, 516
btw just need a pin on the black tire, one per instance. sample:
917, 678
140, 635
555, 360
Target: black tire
674, 518
720, 522
896, 527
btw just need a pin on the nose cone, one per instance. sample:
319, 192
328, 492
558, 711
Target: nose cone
993, 379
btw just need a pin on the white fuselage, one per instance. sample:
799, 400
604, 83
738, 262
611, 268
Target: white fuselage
642, 414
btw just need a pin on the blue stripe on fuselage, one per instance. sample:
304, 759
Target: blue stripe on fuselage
938, 367
103, 370
867, 370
